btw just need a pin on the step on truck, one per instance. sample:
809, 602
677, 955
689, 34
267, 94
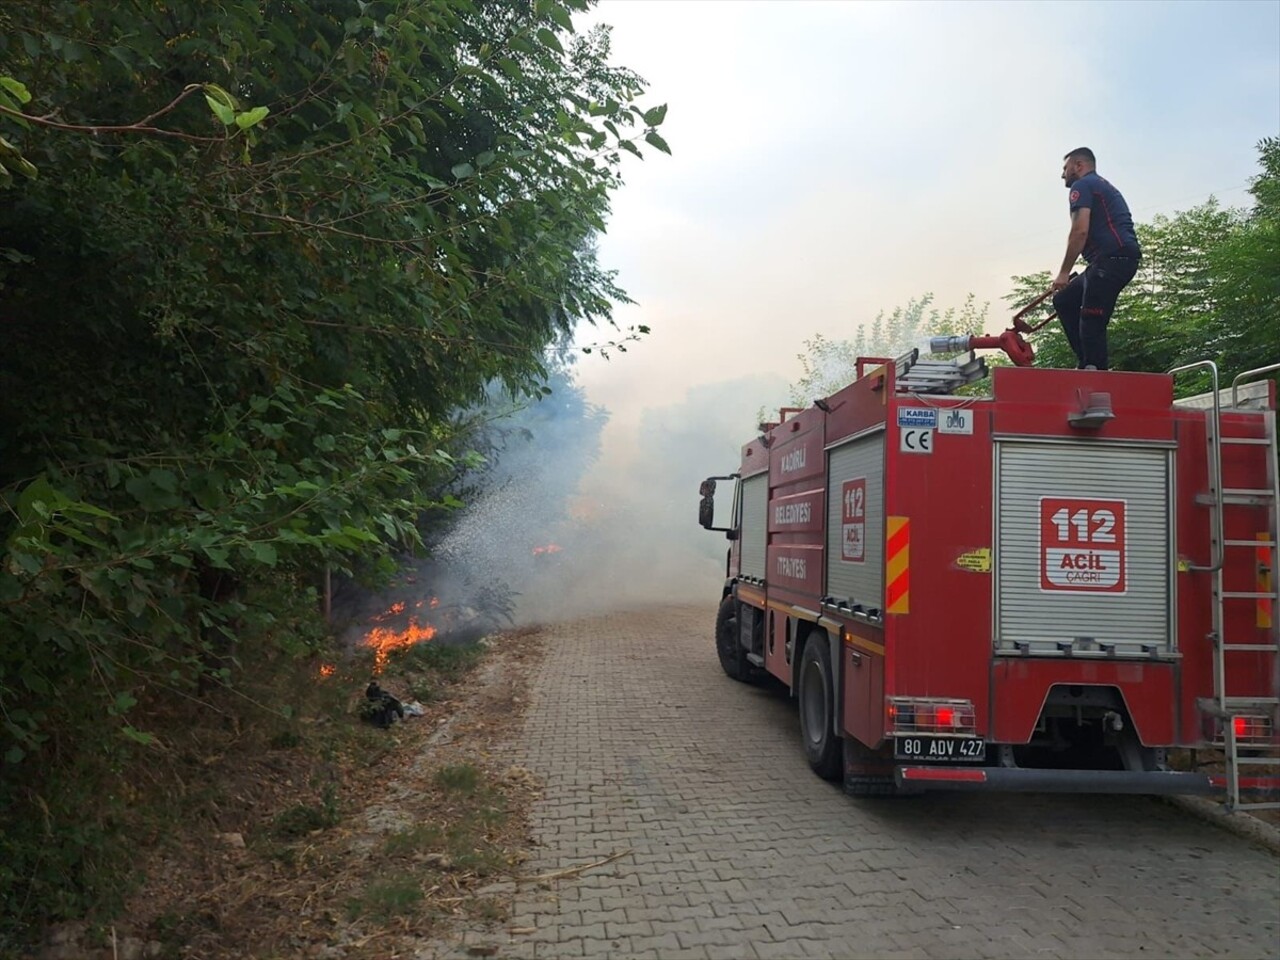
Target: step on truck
1052, 587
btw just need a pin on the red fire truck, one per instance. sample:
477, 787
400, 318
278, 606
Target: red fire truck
1049, 588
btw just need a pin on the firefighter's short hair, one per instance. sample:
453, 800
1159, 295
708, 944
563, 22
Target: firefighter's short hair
1082, 153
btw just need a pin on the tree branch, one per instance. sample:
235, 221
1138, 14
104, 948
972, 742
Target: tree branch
141, 126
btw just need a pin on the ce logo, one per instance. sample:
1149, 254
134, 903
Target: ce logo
917, 441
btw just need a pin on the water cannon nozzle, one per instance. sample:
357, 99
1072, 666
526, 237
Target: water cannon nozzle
948, 344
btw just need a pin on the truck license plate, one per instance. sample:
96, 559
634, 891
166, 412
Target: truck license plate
940, 749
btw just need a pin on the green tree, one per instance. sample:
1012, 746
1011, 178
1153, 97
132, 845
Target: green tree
827, 365
1169, 315
255, 254
1245, 328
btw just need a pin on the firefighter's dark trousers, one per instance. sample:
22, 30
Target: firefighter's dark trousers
1084, 306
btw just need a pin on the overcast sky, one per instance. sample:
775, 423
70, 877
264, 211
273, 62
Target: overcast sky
833, 159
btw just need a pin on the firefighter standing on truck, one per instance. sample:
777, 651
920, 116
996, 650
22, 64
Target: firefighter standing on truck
1101, 230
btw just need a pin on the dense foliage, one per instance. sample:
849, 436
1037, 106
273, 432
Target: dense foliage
253, 255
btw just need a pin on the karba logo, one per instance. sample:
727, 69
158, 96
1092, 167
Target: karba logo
1075, 195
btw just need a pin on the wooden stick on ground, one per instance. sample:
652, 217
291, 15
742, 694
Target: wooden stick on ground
574, 871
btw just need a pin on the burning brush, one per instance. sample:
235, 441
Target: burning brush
383, 640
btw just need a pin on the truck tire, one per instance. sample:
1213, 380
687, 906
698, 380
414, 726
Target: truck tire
867, 772
733, 659
816, 694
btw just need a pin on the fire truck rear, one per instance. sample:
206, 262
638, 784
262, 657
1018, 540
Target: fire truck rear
1050, 588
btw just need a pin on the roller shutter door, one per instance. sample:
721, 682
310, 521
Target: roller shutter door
755, 524
1050, 494
853, 581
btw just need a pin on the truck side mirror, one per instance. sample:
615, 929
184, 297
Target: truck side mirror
707, 488
707, 508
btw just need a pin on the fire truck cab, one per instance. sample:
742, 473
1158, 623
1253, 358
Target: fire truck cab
1049, 588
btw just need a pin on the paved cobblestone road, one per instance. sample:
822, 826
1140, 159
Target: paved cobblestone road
739, 851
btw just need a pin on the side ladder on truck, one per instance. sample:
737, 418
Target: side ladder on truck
1237, 713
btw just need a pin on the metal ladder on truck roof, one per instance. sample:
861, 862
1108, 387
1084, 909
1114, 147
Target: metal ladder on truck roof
913, 375
1238, 713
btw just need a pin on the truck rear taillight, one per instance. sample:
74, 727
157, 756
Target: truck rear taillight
930, 715
1252, 729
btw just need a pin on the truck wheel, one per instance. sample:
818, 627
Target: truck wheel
733, 659
821, 745
867, 772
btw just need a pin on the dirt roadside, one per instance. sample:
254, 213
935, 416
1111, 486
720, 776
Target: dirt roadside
428, 830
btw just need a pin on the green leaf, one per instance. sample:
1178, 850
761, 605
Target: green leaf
88, 510
654, 140
218, 556
34, 681
251, 118
24, 167
37, 500
138, 736
561, 16
69, 531
263, 553
123, 56
464, 170
221, 95
549, 39
223, 112
155, 491
14, 754
656, 115
18, 89
10, 587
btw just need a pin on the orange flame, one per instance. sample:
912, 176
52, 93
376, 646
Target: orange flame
435, 602
392, 611
383, 640
549, 548
327, 669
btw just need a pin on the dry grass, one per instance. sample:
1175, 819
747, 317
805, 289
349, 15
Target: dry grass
355, 838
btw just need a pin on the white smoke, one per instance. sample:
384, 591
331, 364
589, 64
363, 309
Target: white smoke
632, 539
559, 530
